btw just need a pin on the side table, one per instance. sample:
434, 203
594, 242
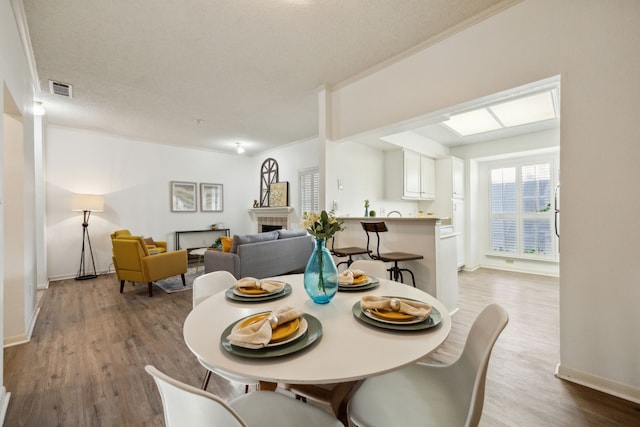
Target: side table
199, 252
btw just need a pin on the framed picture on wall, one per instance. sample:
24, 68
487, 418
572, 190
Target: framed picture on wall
183, 196
279, 194
211, 197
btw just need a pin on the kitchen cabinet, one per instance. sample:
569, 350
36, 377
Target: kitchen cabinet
457, 220
409, 175
450, 178
447, 271
449, 200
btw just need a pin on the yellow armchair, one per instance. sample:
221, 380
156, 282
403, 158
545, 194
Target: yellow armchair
133, 262
153, 246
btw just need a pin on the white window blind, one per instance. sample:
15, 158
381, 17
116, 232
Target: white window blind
521, 218
504, 235
536, 209
309, 185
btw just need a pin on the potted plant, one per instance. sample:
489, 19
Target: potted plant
217, 244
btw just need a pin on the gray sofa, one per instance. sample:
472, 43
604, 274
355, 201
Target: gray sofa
263, 254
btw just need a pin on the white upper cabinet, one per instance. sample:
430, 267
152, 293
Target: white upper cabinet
412, 175
409, 176
450, 178
428, 178
449, 202
458, 177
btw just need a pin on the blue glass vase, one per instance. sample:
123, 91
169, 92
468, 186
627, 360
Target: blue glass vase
321, 274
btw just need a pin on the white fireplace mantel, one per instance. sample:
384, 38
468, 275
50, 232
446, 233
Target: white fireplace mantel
258, 212
282, 216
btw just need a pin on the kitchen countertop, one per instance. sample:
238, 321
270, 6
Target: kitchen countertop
392, 218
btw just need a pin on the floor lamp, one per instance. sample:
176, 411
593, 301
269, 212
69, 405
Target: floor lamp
87, 203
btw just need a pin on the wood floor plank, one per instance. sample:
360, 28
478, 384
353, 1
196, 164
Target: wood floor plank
85, 363
521, 387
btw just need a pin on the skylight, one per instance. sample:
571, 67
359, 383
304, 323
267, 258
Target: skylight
528, 109
473, 122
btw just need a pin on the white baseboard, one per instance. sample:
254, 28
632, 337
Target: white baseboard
604, 385
72, 276
517, 270
33, 324
4, 404
22, 338
15, 340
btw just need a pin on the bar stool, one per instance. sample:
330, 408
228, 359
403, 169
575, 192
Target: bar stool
395, 272
347, 252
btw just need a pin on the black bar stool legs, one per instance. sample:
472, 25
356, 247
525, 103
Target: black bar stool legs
395, 272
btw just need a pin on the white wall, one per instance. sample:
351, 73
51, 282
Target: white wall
134, 177
14, 227
16, 84
360, 168
593, 46
291, 159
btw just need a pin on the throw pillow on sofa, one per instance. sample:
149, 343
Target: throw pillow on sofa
226, 243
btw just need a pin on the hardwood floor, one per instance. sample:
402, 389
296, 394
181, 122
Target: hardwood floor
85, 363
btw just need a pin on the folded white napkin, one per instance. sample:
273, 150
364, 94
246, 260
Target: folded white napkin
348, 276
253, 283
412, 308
258, 334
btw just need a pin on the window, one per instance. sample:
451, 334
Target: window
309, 180
521, 216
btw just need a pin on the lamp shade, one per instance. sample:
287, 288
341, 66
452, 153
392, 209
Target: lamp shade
87, 202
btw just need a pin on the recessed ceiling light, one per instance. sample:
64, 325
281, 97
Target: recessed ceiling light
198, 121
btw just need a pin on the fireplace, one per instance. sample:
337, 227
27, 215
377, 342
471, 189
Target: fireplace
273, 218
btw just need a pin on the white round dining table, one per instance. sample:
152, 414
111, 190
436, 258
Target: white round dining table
347, 350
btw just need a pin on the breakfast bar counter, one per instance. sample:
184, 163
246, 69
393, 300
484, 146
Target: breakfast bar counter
435, 274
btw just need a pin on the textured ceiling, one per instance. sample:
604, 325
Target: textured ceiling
250, 69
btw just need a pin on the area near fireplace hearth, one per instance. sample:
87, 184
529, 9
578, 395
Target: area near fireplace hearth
268, 218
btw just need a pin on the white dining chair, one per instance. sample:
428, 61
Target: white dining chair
203, 287
433, 395
370, 267
185, 405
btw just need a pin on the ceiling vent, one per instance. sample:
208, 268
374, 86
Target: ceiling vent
62, 89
